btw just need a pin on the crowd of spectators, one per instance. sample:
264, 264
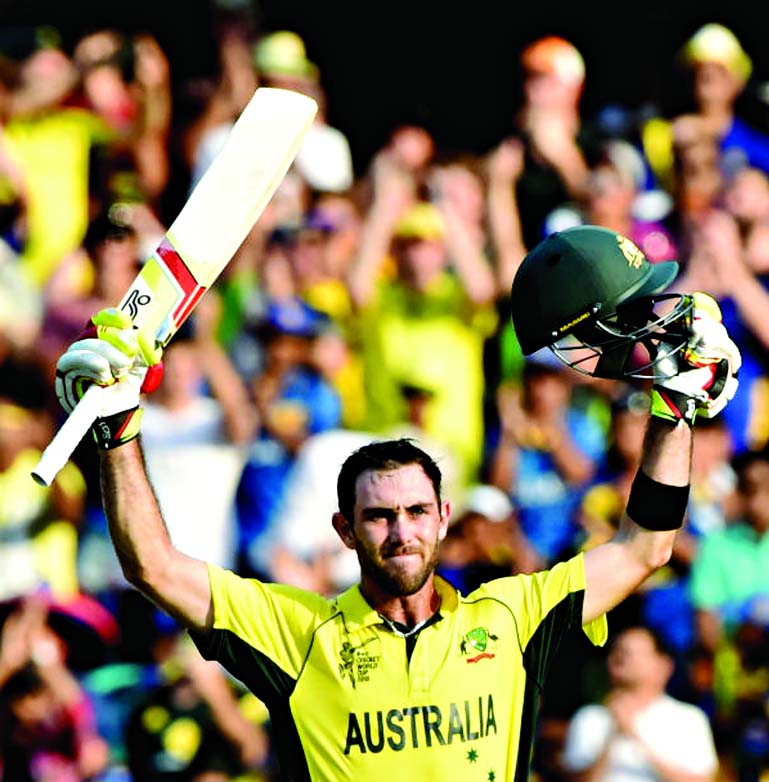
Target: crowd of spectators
360, 307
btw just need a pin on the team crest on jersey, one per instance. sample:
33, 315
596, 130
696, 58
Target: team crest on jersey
634, 256
479, 644
356, 663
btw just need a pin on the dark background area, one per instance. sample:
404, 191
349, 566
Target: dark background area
452, 67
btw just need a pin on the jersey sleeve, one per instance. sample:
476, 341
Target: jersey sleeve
547, 605
262, 632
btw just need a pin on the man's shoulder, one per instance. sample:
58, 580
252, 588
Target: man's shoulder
242, 594
568, 574
735, 533
673, 709
591, 713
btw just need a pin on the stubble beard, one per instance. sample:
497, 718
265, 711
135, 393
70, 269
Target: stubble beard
396, 582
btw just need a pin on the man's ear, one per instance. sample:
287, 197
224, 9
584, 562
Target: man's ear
343, 529
445, 516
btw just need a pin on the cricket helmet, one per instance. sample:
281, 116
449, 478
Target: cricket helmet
592, 297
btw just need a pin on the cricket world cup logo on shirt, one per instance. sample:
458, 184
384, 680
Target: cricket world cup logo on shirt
356, 663
478, 644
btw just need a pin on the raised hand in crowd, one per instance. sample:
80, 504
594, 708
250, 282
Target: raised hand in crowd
504, 167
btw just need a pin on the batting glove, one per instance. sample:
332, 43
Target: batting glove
702, 378
113, 354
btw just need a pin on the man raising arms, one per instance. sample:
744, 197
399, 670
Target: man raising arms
400, 674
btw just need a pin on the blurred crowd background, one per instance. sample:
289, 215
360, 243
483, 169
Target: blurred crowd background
372, 300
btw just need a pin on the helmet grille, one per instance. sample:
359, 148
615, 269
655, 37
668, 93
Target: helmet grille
627, 343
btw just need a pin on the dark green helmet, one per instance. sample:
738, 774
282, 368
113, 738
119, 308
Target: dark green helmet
589, 294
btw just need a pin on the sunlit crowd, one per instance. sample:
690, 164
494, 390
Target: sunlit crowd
371, 300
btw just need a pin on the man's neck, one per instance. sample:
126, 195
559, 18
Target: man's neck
718, 117
407, 610
641, 694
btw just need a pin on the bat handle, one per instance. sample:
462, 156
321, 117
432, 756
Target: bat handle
64, 442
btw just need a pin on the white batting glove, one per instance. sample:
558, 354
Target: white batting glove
111, 354
701, 379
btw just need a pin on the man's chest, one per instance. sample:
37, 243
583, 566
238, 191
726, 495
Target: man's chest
365, 693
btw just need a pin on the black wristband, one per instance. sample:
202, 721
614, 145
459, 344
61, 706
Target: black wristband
657, 506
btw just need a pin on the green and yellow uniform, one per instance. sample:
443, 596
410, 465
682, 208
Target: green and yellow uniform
351, 698
53, 152
430, 339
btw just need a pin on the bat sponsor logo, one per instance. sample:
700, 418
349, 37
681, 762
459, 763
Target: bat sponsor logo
134, 300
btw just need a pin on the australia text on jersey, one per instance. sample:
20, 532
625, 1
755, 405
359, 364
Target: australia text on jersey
415, 726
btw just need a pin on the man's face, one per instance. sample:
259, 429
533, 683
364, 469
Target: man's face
755, 495
420, 260
32, 710
546, 92
634, 660
547, 393
714, 82
398, 526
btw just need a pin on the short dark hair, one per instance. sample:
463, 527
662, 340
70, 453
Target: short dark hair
25, 681
382, 455
744, 459
660, 644
107, 225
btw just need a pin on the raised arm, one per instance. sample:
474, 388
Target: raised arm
112, 357
505, 165
615, 569
700, 383
394, 192
464, 244
174, 581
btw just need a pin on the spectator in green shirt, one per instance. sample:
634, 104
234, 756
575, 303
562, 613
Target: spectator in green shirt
730, 573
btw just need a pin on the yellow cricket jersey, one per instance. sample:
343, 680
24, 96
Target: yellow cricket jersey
347, 703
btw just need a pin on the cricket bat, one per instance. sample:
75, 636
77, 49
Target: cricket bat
209, 229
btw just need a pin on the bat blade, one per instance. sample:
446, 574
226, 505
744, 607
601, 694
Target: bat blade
209, 229
221, 210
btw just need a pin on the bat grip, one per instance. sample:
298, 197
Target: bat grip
64, 442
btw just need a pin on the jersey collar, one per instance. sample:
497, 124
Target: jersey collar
358, 613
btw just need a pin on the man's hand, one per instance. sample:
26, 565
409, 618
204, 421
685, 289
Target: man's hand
111, 353
703, 377
624, 710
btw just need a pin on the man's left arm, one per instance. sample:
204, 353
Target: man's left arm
615, 569
698, 382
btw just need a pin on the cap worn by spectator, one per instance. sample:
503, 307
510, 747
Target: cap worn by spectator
293, 318
313, 222
714, 43
318, 222
557, 57
487, 501
282, 53
421, 221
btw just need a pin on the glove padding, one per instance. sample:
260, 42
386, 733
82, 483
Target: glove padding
702, 378
115, 355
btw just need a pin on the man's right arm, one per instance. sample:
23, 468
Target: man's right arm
177, 583
113, 355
